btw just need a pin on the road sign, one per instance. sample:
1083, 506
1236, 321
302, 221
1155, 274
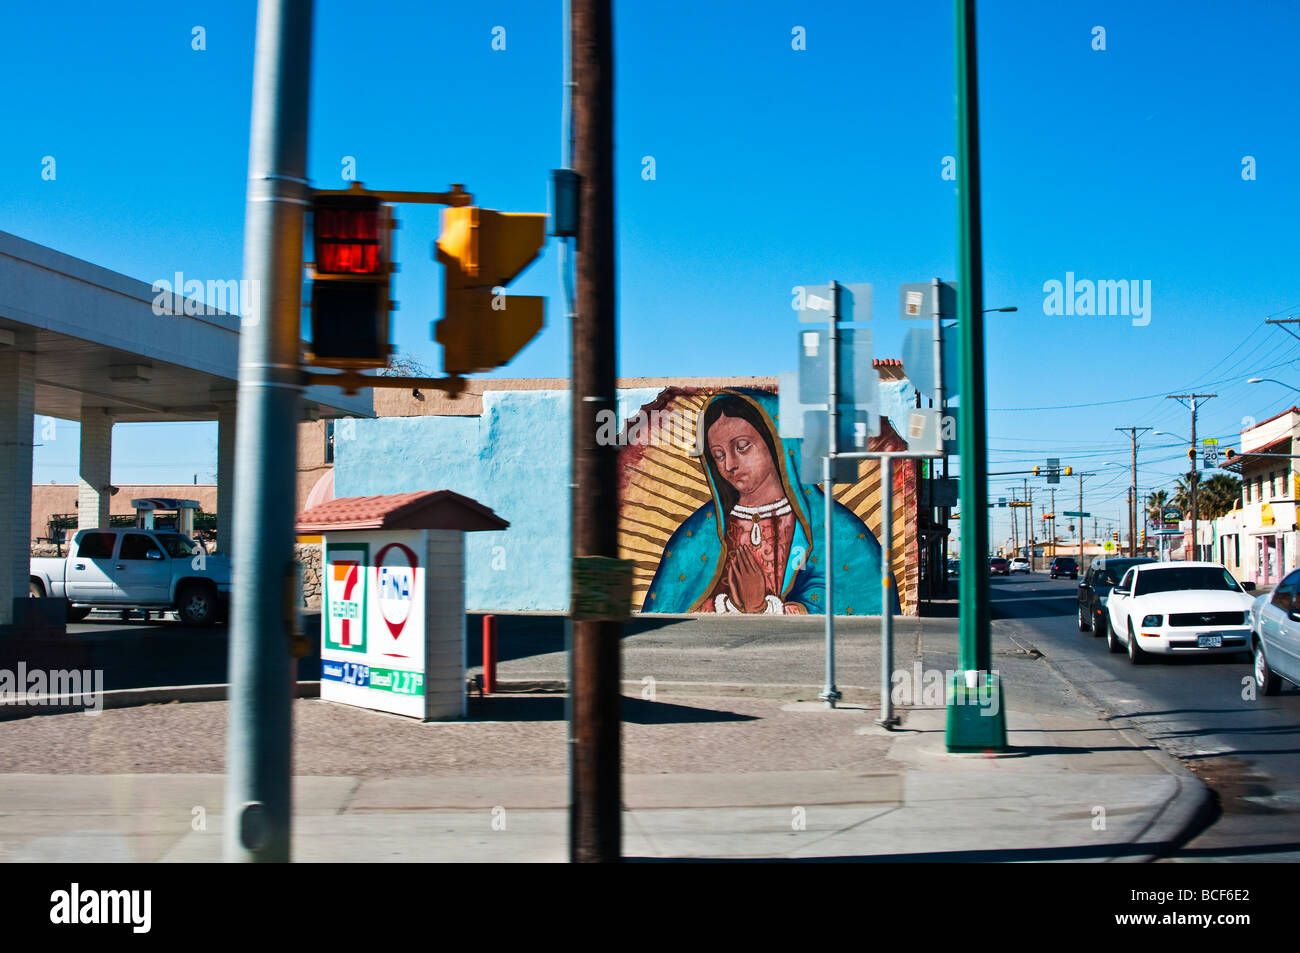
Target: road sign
1075, 513
858, 379
1171, 514
1053, 469
916, 300
855, 430
1211, 454
813, 302
918, 359
1108, 546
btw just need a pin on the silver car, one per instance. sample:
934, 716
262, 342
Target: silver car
1275, 636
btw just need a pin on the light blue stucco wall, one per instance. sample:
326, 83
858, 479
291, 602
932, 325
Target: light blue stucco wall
515, 459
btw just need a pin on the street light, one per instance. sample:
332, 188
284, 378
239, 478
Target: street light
1272, 380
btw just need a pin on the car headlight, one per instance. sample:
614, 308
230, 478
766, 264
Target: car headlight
1153, 620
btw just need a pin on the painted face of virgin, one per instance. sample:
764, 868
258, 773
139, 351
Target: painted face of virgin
742, 457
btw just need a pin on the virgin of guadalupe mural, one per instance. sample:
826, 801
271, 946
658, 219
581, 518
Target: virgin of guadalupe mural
755, 543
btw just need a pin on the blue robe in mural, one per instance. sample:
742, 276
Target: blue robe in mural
694, 557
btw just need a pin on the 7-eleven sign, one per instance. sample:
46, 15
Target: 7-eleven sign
345, 597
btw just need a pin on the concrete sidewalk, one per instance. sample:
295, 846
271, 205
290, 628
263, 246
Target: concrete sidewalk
1072, 790
726, 754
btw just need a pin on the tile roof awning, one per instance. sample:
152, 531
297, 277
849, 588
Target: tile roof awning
428, 509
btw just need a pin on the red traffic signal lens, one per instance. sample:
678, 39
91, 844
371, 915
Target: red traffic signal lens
347, 241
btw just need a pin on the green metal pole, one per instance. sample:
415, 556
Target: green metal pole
971, 725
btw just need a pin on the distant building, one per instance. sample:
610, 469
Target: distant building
1258, 540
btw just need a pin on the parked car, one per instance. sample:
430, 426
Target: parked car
1185, 608
1019, 564
999, 566
954, 568
1063, 566
1275, 635
1101, 577
129, 568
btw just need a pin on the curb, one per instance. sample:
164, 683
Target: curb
852, 694
1191, 808
132, 698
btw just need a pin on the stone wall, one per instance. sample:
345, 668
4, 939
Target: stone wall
308, 556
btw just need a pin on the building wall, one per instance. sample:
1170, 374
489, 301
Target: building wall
514, 456
52, 499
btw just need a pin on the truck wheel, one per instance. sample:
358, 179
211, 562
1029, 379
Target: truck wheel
196, 605
77, 613
35, 590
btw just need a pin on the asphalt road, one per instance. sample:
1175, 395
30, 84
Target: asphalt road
140, 654
1199, 709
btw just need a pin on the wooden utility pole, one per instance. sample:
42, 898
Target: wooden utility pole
595, 821
1132, 504
1195, 477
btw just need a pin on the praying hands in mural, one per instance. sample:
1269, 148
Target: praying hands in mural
745, 583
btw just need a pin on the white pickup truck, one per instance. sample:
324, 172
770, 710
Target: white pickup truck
129, 568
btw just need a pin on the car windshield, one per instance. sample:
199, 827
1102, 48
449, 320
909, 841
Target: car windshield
178, 546
1214, 578
1110, 574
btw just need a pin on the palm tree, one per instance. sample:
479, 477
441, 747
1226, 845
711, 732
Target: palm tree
1157, 500
1218, 495
1214, 497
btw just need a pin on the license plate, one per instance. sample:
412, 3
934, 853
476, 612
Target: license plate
1209, 641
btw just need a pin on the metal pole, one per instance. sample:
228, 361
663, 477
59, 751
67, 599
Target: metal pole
829, 693
975, 644
974, 647
259, 733
595, 833
886, 592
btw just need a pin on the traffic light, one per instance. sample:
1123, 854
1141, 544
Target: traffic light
351, 276
1069, 470
1229, 454
1191, 453
483, 250
1036, 469
1115, 535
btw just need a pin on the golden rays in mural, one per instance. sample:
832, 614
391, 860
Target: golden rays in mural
663, 484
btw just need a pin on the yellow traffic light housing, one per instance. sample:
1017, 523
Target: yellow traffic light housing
1036, 469
483, 250
351, 272
1069, 471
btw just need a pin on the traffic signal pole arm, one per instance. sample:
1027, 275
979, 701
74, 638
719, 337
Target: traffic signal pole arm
456, 198
351, 381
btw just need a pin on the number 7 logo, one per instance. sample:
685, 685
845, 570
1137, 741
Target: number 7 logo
347, 573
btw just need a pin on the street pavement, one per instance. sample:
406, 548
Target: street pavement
1202, 710
727, 755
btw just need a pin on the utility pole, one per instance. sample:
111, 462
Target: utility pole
1195, 476
259, 736
1052, 512
595, 812
1132, 510
1080, 518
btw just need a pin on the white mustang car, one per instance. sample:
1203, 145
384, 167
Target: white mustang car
1178, 608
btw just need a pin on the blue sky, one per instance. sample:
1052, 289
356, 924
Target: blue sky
773, 167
